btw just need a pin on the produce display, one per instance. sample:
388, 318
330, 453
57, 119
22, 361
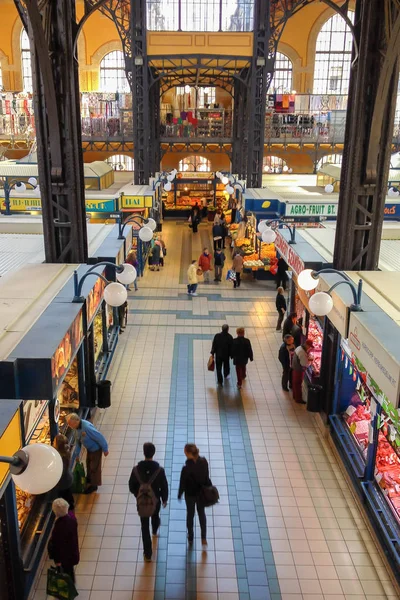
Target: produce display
315, 334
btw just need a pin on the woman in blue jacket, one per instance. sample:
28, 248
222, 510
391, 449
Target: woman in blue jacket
96, 445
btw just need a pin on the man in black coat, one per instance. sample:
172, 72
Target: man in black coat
242, 353
281, 277
222, 351
147, 468
291, 327
285, 358
280, 304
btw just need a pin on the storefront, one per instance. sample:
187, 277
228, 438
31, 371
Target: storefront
137, 199
259, 258
190, 188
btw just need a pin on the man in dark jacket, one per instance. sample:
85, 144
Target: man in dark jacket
281, 277
285, 358
219, 261
242, 353
280, 304
291, 327
222, 351
217, 233
147, 468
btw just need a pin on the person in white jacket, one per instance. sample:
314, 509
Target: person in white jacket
192, 279
301, 360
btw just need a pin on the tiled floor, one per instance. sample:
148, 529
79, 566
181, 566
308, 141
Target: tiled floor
286, 526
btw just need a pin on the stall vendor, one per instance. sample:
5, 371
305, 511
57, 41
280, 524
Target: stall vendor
95, 443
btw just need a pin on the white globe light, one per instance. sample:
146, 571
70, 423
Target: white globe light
393, 193
32, 181
128, 275
268, 235
321, 304
187, 89
225, 180
170, 177
262, 226
145, 234
20, 187
290, 170
168, 186
266, 168
329, 188
152, 224
285, 168
229, 189
115, 294
218, 173
43, 472
306, 281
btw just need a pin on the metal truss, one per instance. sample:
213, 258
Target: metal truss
196, 147
107, 146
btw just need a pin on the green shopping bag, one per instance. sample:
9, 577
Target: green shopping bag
60, 585
79, 478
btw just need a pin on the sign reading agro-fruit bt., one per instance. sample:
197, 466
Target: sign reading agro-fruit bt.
285, 249
311, 210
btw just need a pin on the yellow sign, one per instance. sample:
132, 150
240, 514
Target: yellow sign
10, 442
136, 201
23, 204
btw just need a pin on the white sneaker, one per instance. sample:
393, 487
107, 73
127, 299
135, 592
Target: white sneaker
194, 294
189, 293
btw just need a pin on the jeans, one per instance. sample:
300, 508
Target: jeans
135, 284
191, 503
237, 282
219, 361
192, 287
146, 537
286, 378
218, 272
280, 319
241, 373
207, 276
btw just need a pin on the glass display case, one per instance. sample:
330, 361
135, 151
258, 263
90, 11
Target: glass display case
315, 334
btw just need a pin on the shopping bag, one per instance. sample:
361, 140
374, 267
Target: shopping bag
60, 585
211, 363
231, 275
209, 495
78, 478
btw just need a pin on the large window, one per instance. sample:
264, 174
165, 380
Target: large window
283, 75
121, 162
112, 73
26, 63
205, 95
333, 57
330, 159
194, 163
200, 15
274, 164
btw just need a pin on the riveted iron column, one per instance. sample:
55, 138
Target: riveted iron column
369, 134
239, 129
155, 125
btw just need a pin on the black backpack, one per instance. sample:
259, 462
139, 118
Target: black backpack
146, 501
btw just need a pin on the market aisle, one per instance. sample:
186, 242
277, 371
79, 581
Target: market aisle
286, 528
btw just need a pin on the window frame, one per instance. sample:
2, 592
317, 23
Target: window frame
282, 58
26, 63
118, 69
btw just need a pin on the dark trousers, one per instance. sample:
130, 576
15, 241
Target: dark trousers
237, 282
93, 467
146, 537
280, 319
233, 215
217, 244
241, 373
193, 502
281, 280
218, 272
69, 571
286, 378
195, 225
219, 361
297, 382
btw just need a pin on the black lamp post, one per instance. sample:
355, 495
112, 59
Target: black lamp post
9, 186
117, 293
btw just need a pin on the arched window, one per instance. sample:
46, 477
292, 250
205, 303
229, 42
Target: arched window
26, 63
274, 164
333, 57
330, 159
121, 162
194, 163
112, 73
282, 80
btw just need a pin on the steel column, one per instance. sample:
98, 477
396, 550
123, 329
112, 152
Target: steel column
239, 130
369, 132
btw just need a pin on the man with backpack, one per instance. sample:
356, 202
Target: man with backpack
149, 485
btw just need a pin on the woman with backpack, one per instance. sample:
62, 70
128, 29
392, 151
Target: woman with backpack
194, 477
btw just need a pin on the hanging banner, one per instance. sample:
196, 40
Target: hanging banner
286, 250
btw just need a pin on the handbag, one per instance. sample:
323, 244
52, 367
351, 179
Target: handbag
211, 363
209, 495
199, 272
60, 585
231, 275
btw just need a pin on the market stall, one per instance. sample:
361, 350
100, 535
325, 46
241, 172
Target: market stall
189, 188
258, 257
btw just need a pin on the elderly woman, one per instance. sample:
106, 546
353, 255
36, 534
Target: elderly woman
63, 546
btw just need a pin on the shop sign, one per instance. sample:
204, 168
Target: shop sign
10, 442
194, 175
101, 206
94, 300
392, 211
378, 363
66, 351
136, 201
32, 410
286, 250
23, 204
311, 210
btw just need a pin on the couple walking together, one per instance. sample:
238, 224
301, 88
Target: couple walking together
224, 347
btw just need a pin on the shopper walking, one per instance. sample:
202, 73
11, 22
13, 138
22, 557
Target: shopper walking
237, 267
233, 207
301, 360
205, 264
63, 546
281, 276
217, 236
195, 217
193, 279
64, 486
285, 356
96, 445
242, 352
217, 217
221, 349
155, 256
149, 473
280, 304
163, 250
219, 261
290, 326
194, 476
131, 259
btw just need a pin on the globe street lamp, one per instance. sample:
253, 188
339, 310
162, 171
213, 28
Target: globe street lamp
166, 178
19, 186
268, 235
321, 303
36, 468
115, 294
145, 225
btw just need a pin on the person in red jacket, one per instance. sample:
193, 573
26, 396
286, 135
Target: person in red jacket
63, 546
205, 264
